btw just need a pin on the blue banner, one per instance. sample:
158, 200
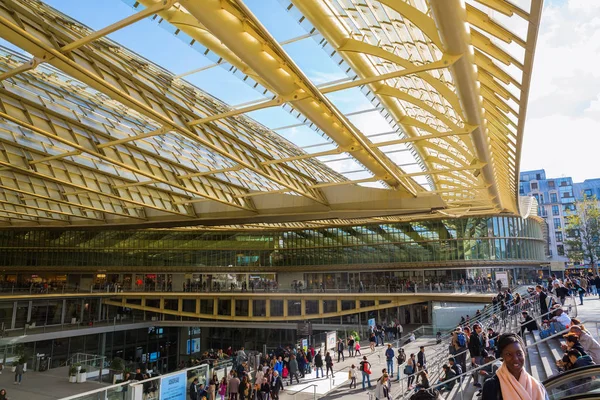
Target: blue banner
173, 387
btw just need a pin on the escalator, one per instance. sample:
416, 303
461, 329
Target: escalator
579, 383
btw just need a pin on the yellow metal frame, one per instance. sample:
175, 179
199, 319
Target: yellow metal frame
434, 66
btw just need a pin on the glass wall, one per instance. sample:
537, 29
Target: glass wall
484, 238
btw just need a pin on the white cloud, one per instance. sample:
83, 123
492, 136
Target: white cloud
562, 133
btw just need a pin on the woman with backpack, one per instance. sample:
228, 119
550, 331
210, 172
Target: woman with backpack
365, 368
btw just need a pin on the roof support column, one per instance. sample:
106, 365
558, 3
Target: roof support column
450, 17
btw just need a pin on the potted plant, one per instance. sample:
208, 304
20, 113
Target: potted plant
117, 365
81, 375
72, 374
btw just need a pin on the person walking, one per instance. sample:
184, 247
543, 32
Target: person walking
357, 348
245, 388
351, 346
401, 358
194, 389
18, 373
410, 369
382, 390
293, 369
319, 363
476, 347
352, 374
340, 350
389, 358
328, 365
365, 367
223, 388
276, 385
421, 359
372, 341
234, 386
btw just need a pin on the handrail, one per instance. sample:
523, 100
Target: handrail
507, 313
303, 389
568, 375
470, 372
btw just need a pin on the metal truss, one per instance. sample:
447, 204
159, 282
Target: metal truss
474, 94
92, 134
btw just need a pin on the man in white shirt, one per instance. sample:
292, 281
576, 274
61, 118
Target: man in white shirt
560, 321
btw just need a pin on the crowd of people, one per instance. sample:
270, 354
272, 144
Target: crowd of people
495, 361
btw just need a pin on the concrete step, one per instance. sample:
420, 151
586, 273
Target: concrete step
535, 361
529, 340
547, 360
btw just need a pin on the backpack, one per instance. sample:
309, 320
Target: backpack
462, 339
401, 358
362, 366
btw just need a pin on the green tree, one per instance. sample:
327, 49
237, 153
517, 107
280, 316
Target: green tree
583, 232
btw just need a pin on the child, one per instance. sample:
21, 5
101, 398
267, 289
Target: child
352, 376
223, 388
357, 348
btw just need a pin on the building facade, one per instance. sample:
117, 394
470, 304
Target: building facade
556, 199
331, 257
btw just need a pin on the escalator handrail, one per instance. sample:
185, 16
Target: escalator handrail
568, 376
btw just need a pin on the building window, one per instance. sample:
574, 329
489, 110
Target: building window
551, 184
521, 191
541, 199
557, 223
588, 192
564, 183
550, 252
534, 186
553, 198
559, 236
567, 194
538, 176
537, 198
560, 249
555, 210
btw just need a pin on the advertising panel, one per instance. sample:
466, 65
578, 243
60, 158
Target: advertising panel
331, 339
173, 387
503, 277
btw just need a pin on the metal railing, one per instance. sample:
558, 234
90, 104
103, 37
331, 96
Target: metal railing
441, 351
465, 375
313, 386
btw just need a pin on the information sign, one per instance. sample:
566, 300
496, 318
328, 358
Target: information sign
173, 387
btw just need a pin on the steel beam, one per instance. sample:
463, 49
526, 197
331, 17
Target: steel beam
450, 16
245, 36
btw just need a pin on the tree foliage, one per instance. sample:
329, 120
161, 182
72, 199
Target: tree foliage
583, 231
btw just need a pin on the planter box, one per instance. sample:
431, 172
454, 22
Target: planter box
72, 379
81, 377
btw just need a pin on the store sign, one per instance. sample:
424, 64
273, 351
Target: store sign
173, 387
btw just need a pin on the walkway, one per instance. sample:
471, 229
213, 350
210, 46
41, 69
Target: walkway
337, 387
47, 385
